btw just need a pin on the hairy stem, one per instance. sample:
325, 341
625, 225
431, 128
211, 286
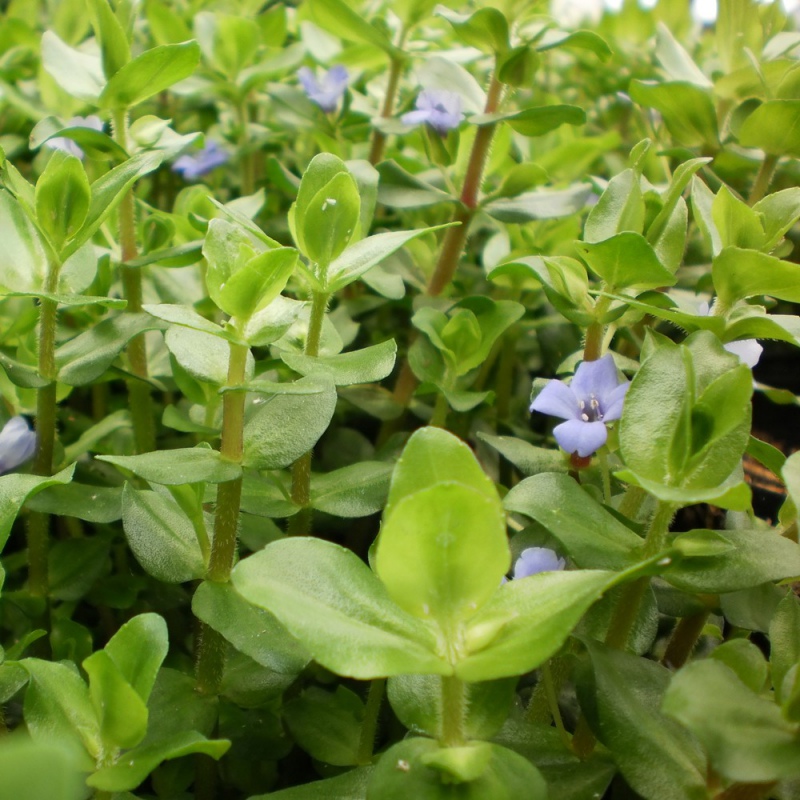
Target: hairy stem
300, 523
210, 659
139, 396
453, 711
763, 179
683, 640
369, 726
395, 71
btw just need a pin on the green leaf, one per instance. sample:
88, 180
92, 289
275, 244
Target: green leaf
15, 489
620, 695
287, 426
369, 252
486, 29
326, 222
348, 786
228, 42
746, 660
438, 772
455, 538
58, 709
97, 504
579, 40
86, 357
527, 458
527, 621
745, 736
544, 204
756, 557
626, 261
687, 417
687, 109
137, 764
324, 595
257, 283
176, 467
737, 224
779, 211
107, 194
401, 189
251, 630
203, 356
77, 73
619, 209
784, 638
327, 725
62, 198
186, 316
39, 771
122, 713
148, 74
111, 37
354, 491
161, 536
535, 121
593, 537
23, 260
138, 650
773, 128
368, 365
76, 564
739, 274
338, 18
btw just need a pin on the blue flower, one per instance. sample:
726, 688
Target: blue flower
67, 145
17, 444
327, 92
194, 167
594, 397
534, 560
438, 108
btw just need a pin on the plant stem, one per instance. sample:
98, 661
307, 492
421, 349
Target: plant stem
455, 238
632, 501
627, 608
210, 660
247, 185
369, 726
139, 397
378, 137
602, 458
453, 711
747, 791
683, 639
440, 411
39, 523
593, 345
763, 179
300, 523
552, 700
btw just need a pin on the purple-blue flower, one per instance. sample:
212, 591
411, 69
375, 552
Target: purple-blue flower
67, 145
17, 444
327, 92
594, 398
438, 108
194, 167
534, 560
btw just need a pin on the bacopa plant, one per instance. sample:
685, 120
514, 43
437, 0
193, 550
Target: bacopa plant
398, 401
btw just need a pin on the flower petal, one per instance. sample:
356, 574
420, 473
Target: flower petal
598, 378
558, 400
583, 438
534, 560
415, 117
17, 444
748, 350
612, 409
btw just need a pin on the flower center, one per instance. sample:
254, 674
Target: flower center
590, 409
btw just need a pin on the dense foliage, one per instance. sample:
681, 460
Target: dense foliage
274, 283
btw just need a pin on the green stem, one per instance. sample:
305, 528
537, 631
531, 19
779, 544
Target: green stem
683, 640
602, 458
630, 600
369, 726
593, 345
453, 711
747, 791
395, 71
139, 396
300, 523
552, 699
247, 165
440, 411
632, 501
210, 660
763, 179
38, 527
